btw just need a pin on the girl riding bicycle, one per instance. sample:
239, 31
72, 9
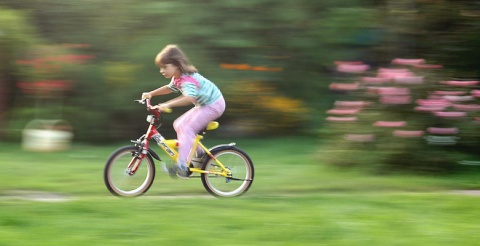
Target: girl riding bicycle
207, 99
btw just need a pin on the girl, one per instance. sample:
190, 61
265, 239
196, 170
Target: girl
207, 99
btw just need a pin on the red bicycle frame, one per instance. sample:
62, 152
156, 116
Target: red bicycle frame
151, 132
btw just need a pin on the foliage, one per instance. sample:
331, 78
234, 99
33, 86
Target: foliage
301, 38
16, 35
269, 112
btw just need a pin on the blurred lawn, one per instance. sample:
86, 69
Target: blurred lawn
293, 201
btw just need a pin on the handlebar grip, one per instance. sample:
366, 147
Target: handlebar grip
149, 106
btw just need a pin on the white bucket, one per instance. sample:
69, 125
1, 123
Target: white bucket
47, 135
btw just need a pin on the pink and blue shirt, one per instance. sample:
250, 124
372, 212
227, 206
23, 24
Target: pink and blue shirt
195, 85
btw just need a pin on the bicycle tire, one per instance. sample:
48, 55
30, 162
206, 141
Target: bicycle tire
119, 182
238, 162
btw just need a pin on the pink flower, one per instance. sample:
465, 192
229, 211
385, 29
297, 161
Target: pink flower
375, 80
442, 130
475, 93
467, 107
390, 123
392, 73
428, 66
44, 86
449, 93
429, 109
458, 98
450, 114
344, 86
395, 99
401, 61
352, 68
409, 80
433, 103
353, 104
341, 119
460, 83
343, 111
408, 133
391, 91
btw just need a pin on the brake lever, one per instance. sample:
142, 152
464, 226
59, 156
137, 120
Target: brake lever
142, 101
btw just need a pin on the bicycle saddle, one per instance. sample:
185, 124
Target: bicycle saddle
212, 125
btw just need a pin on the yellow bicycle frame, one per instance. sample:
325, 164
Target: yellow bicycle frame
223, 171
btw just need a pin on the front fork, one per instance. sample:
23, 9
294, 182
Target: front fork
138, 155
133, 166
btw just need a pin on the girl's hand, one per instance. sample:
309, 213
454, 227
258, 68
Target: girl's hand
162, 107
146, 95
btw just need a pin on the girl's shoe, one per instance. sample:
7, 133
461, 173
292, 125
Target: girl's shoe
182, 171
175, 171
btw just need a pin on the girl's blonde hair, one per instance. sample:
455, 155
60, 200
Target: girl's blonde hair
172, 54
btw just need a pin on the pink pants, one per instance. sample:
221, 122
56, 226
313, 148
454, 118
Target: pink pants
192, 122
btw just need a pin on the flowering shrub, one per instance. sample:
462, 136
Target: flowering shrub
405, 115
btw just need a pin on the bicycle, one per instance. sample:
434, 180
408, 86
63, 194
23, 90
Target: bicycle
225, 170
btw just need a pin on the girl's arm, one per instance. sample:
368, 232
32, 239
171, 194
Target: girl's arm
179, 102
176, 102
160, 91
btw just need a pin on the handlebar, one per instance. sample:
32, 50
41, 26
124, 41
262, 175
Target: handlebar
150, 107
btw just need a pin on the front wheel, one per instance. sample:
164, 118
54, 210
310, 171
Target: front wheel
237, 162
121, 179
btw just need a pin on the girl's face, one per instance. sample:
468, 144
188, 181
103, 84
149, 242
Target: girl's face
170, 70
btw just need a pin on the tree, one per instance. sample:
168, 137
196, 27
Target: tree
16, 35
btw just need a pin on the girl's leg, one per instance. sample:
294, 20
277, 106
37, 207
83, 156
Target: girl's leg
191, 123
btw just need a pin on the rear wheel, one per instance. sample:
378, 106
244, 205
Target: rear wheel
122, 181
238, 163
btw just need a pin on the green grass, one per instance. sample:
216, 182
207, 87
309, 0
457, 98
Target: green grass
294, 200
